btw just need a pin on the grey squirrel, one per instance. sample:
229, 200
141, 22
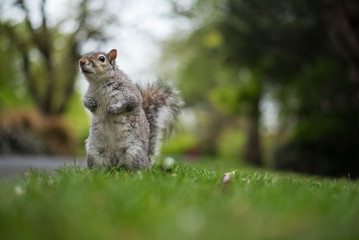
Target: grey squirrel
128, 121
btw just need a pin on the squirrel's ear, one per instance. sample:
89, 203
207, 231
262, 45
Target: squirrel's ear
112, 55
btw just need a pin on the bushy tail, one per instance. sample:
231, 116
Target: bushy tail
162, 104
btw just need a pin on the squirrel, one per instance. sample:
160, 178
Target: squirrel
128, 121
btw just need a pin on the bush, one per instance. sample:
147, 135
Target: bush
29, 132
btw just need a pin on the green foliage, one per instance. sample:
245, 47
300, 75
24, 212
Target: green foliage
13, 90
201, 67
321, 87
183, 143
225, 99
322, 145
240, 51
178, 202
208, 82
239, 97
231, 144
312, 129
324, 140
275, 38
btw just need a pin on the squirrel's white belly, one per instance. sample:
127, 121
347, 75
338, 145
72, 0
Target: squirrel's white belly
112, 126
113, 132
110, 135
109, 143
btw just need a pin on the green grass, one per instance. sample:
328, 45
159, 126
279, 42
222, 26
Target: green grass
181, 202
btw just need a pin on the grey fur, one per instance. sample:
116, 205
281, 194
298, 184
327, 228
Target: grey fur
162, 104
128, 122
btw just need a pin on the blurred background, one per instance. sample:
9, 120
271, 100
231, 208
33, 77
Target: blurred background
273, 84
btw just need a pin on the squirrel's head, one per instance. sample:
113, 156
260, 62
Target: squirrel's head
95, 65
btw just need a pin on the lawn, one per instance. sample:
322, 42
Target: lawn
182, 201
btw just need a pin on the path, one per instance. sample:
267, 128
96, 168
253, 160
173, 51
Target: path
11, 166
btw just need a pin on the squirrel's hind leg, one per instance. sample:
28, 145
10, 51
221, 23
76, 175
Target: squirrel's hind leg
136, 158
90, 161
96, 159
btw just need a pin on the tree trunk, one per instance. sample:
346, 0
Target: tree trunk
252, 151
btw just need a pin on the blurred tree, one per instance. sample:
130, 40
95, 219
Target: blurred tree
200, 76
274, 40
12, 92
48, 54
240, 47
280, 48
343, 18
207, 81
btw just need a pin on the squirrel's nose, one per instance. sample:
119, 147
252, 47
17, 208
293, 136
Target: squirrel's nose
82, 61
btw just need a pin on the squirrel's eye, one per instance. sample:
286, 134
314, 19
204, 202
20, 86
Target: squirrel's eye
101, 58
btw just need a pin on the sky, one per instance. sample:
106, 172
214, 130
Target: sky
144, 24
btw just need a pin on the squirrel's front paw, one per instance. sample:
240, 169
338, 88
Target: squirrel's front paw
90, 103
115, 109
